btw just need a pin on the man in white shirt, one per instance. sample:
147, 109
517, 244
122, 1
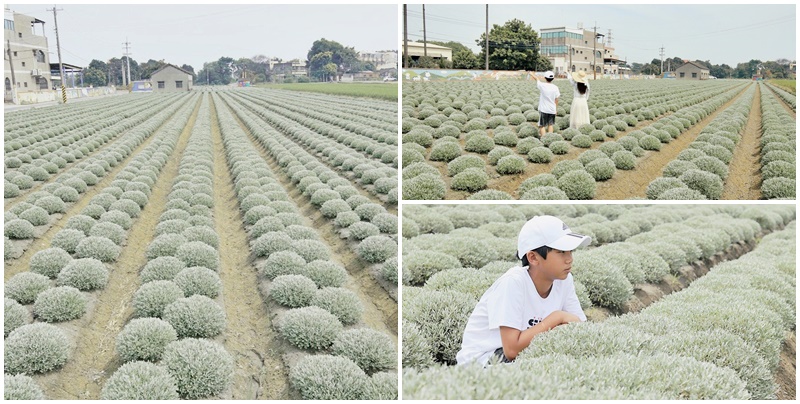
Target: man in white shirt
548, 102
526, 300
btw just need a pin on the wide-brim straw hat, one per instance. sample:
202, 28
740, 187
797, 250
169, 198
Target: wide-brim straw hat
580, 77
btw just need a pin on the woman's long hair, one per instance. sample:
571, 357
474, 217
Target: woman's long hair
581, 88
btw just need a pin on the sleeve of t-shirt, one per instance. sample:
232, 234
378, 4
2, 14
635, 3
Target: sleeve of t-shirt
505, 306
539, 85
571, 303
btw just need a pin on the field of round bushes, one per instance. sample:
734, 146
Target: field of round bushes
714, 336
480, 140
314, 195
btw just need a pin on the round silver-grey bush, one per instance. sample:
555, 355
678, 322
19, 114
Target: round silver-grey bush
25, 286
195, 316
62, 303
371, 350
21, 387
84, 274
152, 297
376, 249
282, 263
292, 290
198, 281
309, 327
67, 239
161, 268
35, 348
201, 368
140, 381
99, 248
342, 303
326, 377
324, 273
14, 316
49, 262
145, 339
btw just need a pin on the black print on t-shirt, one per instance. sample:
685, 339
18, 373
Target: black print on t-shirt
533, 321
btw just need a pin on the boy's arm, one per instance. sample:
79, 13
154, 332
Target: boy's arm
514, 340
571, 302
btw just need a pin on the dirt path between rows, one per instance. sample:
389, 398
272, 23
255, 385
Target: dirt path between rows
627, 184
248, 337
21, 263
786, 375
380, 310
786, 106
95, 359
744, 172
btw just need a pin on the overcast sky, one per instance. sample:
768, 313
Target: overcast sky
719, 33
195, 34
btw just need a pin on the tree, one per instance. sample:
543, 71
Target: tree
721, 71
318, 64
512, 46
148, 68
345, 58
94, 77
189, 69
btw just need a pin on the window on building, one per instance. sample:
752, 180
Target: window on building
39, 55
25, 84
178, 84
15, 53
683, 74
8, 24
23, 64
694, 75
160, 84
42, 83
20, 34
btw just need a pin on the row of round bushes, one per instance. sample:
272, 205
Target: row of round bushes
374, 142
786, 96
174, 307
333, 196
305, 280
700, 171
778, 149
369, 170
53, 198
446, 148
41, 347
37, 163
376, 120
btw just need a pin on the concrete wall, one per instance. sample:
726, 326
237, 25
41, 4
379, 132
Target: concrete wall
35, 97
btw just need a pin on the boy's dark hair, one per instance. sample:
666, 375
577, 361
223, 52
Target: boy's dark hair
581, 88
549, 80
542, 251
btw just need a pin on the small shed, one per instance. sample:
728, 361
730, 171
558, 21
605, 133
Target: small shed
171, 78
692, 71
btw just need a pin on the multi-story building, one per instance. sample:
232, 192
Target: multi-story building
577, 49
381, 59
29, 55
293, 68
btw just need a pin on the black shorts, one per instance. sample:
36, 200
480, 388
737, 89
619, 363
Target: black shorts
500, 357
546, 119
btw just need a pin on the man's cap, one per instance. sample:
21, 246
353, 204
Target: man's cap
548, 231
549, 74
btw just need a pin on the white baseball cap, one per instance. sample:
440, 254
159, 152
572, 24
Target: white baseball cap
549, 74
548, 231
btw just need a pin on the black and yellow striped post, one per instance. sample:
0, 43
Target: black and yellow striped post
63, 93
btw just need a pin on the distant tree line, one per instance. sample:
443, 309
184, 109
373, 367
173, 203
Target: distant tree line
515, 46
326, 60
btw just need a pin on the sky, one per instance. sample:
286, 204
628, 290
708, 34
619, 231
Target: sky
197, 34
728, 34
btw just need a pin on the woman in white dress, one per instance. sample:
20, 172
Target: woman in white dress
579, 112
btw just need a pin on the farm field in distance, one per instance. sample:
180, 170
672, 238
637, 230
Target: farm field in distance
384, 91
682, 302
648, 139
215, 244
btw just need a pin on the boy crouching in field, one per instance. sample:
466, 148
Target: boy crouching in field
526, 300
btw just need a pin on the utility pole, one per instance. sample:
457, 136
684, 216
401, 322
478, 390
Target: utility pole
13, 77
128, 60
424, 34
662, 59
405, 36
594, 51
58, 46
487, 37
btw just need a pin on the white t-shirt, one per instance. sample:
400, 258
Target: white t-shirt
512, 301
548, 92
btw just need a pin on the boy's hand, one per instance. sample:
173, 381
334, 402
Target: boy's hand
569, 318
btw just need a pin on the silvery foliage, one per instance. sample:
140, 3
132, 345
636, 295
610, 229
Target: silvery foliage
326, 377
35, 348
140, 381
200, 368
